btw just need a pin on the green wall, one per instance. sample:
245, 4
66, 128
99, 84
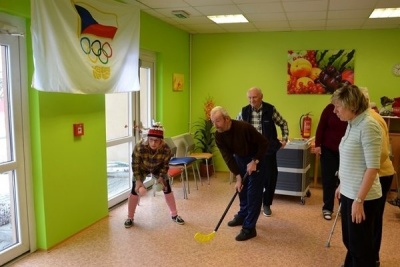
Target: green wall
224, 66
20, 8
172, 48
73, 169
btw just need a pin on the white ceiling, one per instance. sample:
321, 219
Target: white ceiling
272, 15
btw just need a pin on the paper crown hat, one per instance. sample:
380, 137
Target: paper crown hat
156, 131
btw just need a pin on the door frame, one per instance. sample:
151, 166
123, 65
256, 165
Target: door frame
22, 134
148, 59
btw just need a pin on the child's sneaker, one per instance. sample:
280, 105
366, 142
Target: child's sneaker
128, 223
178, 220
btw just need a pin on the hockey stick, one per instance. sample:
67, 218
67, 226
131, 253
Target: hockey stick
203, 238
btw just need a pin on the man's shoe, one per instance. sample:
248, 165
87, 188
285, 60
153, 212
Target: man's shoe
267, 211
236, 221
246, 234
128, 223
178, 219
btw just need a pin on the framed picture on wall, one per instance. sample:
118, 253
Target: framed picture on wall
177, 82
319, 71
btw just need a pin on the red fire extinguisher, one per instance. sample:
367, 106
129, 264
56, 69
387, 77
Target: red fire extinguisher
305, 125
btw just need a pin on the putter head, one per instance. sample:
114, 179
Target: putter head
328, 244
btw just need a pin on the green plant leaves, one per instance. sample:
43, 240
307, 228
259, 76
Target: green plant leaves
204, 135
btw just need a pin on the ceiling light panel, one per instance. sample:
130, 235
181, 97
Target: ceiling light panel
220, 19
385, 13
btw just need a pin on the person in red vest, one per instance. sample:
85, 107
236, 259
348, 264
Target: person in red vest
330, 131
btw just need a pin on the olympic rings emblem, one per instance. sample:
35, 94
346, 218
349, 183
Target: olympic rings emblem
96, 50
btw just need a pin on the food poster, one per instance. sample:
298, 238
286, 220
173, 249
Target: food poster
319, 71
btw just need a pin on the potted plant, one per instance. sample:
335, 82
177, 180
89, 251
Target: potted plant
204, 135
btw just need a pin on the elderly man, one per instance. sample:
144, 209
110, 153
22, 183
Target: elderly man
264, 116
243, 149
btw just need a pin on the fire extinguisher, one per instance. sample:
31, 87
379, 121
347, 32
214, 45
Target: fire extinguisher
305, 125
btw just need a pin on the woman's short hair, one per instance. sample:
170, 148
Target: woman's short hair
351, 97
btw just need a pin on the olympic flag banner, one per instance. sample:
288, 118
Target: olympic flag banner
85, 46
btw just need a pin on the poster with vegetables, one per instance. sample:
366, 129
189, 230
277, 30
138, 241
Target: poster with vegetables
319, 71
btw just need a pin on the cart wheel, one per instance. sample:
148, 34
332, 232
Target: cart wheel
303, 201
308, 193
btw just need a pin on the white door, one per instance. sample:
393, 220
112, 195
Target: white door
14, 149
126, 115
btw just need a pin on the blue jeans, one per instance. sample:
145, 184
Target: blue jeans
270, 179
252, 192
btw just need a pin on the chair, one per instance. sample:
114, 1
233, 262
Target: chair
181, 162
190, 152
174, 172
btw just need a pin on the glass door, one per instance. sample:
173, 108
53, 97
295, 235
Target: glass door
14, 230
126, 115
120, 139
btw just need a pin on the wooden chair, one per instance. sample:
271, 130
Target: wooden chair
206, 157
